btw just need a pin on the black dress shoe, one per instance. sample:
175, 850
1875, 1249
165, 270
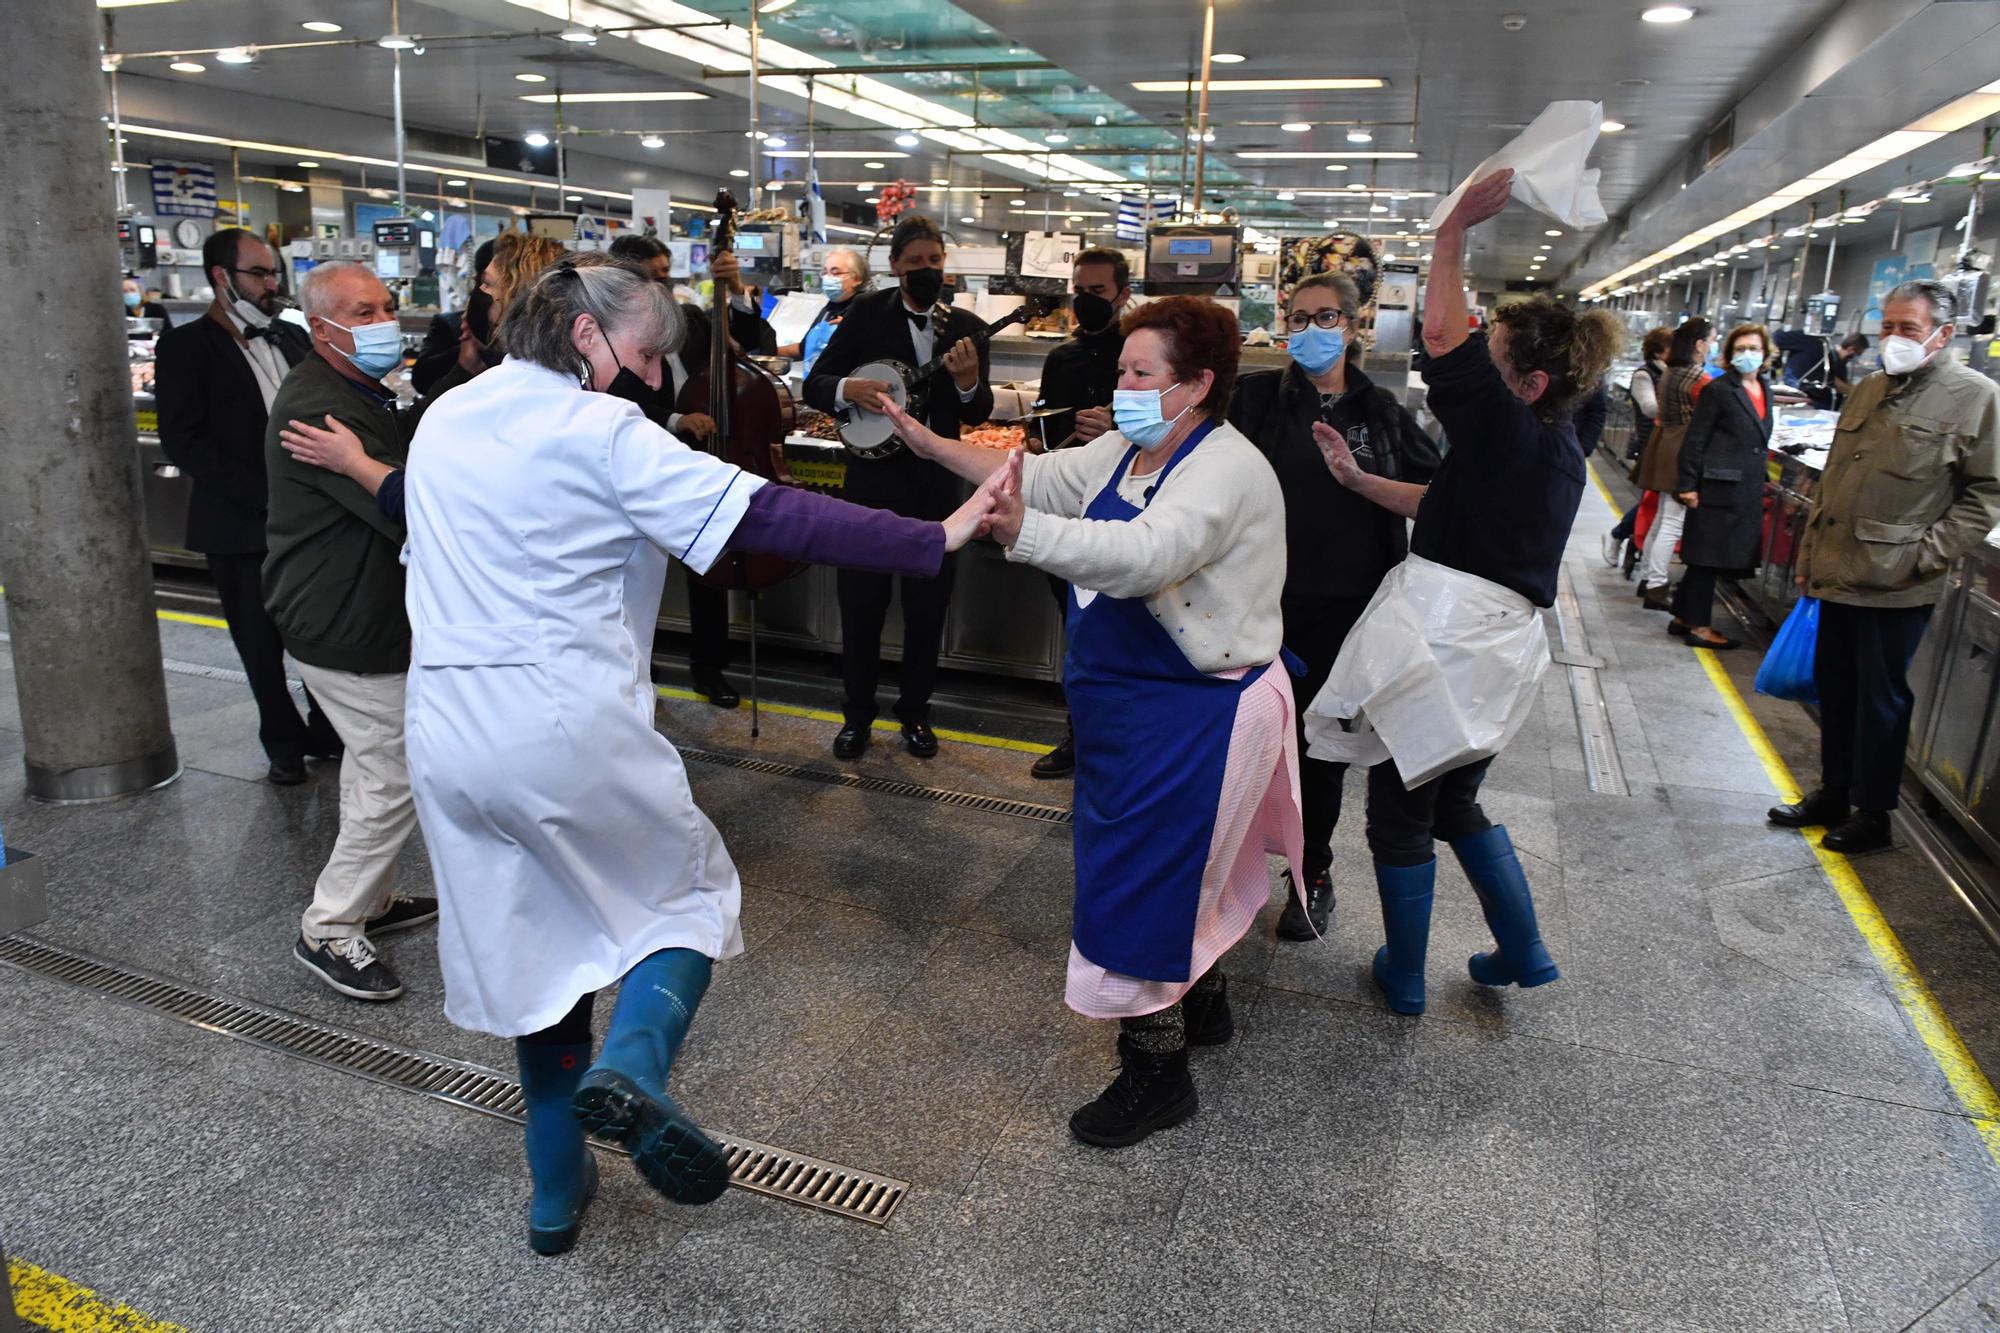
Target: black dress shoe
851, 741
287, 772
717, 691
919, 739
1719, 644
1678, 630
1059, 762
1864, 831
1817, 810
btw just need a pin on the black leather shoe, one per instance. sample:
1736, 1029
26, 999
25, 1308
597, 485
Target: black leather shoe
287, 772
717, 691
1059, 762
1864, 831
1308, 922
1678, 630
1818, 809
919, 739
1722, 643
851, 741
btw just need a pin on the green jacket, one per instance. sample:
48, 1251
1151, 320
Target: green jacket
333, 578
1911, 484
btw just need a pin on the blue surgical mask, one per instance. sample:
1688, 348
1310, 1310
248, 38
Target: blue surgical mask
832, 287
132, 300
1141, 417
1317, 350
1746, 363
378, 348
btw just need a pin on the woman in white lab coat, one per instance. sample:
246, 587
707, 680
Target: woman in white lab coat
1442, 668
568, 851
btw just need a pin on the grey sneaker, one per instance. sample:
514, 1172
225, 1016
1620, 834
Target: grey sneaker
348, 965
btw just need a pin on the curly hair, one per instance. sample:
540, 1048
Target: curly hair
518, 267
1200, 335
1572, 350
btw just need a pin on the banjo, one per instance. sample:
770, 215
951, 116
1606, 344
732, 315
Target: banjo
871, 435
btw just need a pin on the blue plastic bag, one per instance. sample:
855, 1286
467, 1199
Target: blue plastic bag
1787, 670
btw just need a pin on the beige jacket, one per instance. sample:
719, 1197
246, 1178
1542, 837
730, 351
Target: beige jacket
1207, 555
1912, 483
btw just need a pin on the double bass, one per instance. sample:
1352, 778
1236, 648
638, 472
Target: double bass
753, 411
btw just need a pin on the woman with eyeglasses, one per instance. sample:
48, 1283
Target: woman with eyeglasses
1339, 538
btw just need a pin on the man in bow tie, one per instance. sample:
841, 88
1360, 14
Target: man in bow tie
215, 378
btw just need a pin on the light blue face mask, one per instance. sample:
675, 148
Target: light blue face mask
832, 287
378, 348
1747, 363
132, 300
1141, 417
1317, 350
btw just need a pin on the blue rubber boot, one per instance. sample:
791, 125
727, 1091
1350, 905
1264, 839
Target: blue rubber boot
1495, 872
624, 1096
1406, 921
564, 1172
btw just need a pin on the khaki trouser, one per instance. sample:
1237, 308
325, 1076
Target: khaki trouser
376, 812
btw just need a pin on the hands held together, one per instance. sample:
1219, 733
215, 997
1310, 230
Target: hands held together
995, 509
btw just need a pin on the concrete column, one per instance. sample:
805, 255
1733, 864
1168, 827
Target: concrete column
72, 530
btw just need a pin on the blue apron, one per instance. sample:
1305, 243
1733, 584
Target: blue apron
815, 341
1152, 742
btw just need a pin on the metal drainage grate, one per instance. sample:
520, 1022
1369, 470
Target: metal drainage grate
758, 1167
960, 800
1603, 768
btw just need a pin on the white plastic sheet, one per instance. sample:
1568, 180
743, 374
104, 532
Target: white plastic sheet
1548, 161
1440, 672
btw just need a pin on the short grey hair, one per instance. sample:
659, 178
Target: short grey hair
1943, 300
860, 262
619, 295
315, 296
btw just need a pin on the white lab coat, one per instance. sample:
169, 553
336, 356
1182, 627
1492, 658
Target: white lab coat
565, 841
1440, 671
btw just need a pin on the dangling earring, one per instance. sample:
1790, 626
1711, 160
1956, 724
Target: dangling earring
584, 375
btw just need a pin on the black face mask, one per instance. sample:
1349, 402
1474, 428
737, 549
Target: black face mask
921, 286
1093, 313
632, 389
479, 315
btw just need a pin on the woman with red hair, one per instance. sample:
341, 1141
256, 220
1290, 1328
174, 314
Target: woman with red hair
1171, 532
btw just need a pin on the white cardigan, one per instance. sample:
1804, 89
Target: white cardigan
1208, 554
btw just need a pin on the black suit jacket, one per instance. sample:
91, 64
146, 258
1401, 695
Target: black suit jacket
876, 328
212, 424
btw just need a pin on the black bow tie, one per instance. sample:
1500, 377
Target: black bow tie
261, 331
920, 318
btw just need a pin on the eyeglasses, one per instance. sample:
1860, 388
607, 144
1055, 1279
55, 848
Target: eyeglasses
1326, 319
261, 274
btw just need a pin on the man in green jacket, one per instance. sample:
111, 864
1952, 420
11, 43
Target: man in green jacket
1911, 484
333, 581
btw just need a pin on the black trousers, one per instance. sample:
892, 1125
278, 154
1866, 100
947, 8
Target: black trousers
1694, 601
708, 627
1315, 631
1861, 663
864, 606
572, 1029
239, 586
1405, 823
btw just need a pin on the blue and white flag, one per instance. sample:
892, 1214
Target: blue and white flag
183, 189
1136, 213
816, 208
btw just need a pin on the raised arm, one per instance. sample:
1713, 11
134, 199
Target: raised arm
1444, 298
966, 460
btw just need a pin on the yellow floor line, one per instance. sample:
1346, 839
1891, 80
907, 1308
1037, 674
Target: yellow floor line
1968, 1081
881, 724
188, 618
1605, 491
51, 1301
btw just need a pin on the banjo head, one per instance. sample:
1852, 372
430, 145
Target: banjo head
868, 434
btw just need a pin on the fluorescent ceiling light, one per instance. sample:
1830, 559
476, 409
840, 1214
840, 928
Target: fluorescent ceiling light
128, 4
854, 153
1667, 14
580, 35
774, 141
1017, 202
1296, 126
532, 78
1257, 85
908, 140
676, 95
1551, 232
320, 25
739, 172
535, 140
236, 55
452, 183
187, 67
875, 166
1381, 154
396, 41
309, 162
1228, 58
940, 180
1612, 127
968, 219
1081, 213
1359, 135
1336, 166
1286, 196
652, 141
1055, 136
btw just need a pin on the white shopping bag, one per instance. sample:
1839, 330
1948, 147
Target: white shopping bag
1548, 161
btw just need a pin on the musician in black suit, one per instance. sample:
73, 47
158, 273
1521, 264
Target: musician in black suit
708, 606
215, 379
903, 324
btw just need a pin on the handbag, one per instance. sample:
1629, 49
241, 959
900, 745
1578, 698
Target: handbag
1787, 669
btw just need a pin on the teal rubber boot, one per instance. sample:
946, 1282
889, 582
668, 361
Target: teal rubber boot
564, 1172
1406, 922
1495, 871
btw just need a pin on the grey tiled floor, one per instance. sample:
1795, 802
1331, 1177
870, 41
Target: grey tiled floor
1720, 1119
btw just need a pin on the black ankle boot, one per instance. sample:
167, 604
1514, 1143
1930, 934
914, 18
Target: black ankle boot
1152, 1091
1206, 1006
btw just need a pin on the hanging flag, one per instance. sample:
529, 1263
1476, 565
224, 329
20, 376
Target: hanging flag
1137, 212
816, 211
183, 189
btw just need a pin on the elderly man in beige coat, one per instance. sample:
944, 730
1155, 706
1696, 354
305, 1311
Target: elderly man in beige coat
1911, 484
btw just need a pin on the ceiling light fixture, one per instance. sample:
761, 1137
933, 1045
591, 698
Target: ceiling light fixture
1055, 136
1612, 127
396, 41
1358, 154
968, 219
531, 78
1359, 135
1667, 14
575, 198
1258, 85
940, 180
309, 163
773, 141
858, 154
1227, 58
580, 35
1336, 166
1286, 196
536, 140
1552, 232
454, 183
652, 141
1017, 202
908, 139
739, 172
1296, 126
320, 25
236, 55
672, 95
187, 67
